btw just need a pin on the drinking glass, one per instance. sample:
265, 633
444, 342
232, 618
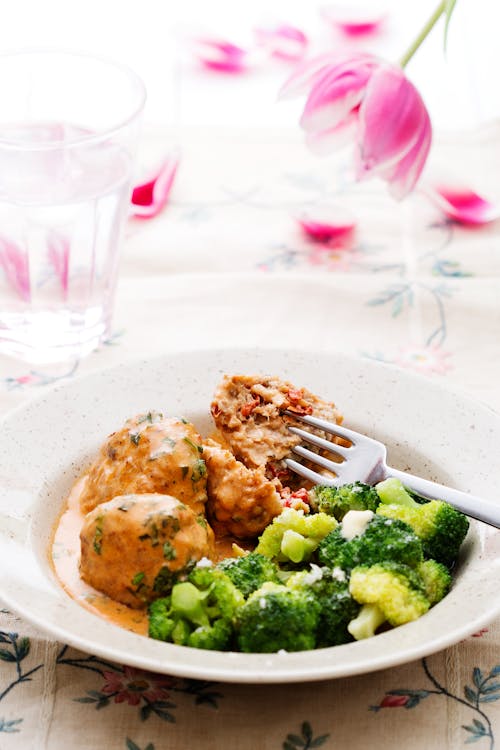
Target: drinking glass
68, 134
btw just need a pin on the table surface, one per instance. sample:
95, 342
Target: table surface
225, 263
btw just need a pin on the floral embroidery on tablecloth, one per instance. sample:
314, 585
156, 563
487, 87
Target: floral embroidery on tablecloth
306, 739
151, 693
13, 651
131, 745
485, 689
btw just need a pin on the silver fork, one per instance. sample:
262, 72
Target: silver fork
365, 461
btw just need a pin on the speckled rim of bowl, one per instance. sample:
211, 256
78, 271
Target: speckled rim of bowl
45, 443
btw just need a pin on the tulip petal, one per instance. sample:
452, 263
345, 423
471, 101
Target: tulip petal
220, 55
352, 23
336, 93
150, 197
462, 204
326, 226
392, 116
322, 142
404, 175
283, 41
306, 74
15, 264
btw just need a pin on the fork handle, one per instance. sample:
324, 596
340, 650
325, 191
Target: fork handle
476, 507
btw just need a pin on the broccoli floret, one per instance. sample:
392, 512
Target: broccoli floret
436, 579
199, 612
160, 622
249, 572
222, 597
337, 501
441, 527
293, 536
392, 592
278, 617
337, 607
382, 539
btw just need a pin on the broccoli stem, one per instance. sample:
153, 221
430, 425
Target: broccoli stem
391, 491
296, 547
370, 617
187, 601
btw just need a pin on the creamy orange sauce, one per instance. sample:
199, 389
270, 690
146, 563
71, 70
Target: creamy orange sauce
65, 559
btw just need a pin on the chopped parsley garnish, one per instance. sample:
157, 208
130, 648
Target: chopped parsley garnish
135, 437
124, 507
169, 441
184, 470
154, 535
201, 521
138, 578
164, 581
169, 552
171, 521
98, 535
151, 417
199, 470
192, 445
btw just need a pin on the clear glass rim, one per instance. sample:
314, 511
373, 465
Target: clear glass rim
97, 135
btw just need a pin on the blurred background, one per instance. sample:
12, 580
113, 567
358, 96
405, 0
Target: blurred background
152, 36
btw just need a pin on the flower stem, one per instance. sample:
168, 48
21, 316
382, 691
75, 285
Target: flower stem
424, 33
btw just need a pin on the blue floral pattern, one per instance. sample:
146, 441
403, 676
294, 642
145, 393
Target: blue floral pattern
483, 690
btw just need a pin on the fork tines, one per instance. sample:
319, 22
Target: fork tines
330, 427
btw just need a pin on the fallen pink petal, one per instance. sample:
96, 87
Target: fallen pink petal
352, 23
15, 264
220, 55
361, 97
326, 227
58, 255
284, 42
150, 197
462, 204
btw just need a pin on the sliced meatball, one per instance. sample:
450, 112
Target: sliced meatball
150, 454
134, 547
241, 501
248, 411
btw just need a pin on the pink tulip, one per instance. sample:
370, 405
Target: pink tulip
363, 98
282, 41
462, 204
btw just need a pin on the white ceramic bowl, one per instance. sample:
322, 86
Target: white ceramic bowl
45, 444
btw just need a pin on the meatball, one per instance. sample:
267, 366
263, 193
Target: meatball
248, 411
149, 454
134, 547
241, 501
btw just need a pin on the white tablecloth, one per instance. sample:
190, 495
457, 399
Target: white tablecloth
226, 264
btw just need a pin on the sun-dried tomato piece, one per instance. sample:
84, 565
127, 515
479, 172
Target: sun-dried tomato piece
301, 494
248, 408
295, 394
301, 409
